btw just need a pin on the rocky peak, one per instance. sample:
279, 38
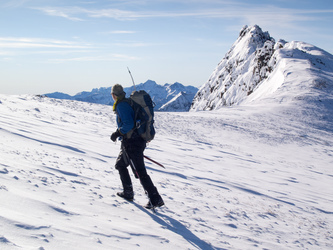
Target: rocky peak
242, 69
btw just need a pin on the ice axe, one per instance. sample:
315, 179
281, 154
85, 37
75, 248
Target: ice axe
157, 163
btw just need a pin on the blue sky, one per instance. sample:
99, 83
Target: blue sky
75, 45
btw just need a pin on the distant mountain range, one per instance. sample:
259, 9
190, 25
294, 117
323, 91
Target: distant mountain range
169, 97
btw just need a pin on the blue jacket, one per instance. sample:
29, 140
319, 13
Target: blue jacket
125, 117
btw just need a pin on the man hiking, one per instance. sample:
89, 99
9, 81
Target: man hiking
131, 153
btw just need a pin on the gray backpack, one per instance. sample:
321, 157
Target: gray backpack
143, 107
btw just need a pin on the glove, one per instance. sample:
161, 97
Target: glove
115, 135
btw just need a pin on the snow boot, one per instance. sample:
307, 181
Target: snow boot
127, 194
157, 201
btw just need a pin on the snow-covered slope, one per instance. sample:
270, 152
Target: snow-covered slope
247, 177
258, 68
180, 103
160, 94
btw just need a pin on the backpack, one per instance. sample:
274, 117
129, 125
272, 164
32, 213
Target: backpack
143, 107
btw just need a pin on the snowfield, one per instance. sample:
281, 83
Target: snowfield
248, 177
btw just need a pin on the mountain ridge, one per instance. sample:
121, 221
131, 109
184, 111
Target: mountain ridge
161, 94
258, 68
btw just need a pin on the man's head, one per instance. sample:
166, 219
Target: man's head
117, 90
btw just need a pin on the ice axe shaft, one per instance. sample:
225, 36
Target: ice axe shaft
132, 78
153, 161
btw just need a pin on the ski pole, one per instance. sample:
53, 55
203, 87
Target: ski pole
153, 161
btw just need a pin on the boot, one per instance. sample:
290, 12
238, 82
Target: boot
156, 201
127, 194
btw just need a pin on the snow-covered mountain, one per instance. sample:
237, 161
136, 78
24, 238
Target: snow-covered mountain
160, 94
259, 68
180, 103
257, 175
163, 94
97, 95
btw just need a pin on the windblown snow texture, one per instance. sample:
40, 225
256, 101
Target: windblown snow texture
248, 177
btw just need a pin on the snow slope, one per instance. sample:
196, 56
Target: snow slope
247, 177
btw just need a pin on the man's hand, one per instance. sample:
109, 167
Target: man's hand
115, 135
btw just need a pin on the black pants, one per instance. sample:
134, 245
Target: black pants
132, 150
